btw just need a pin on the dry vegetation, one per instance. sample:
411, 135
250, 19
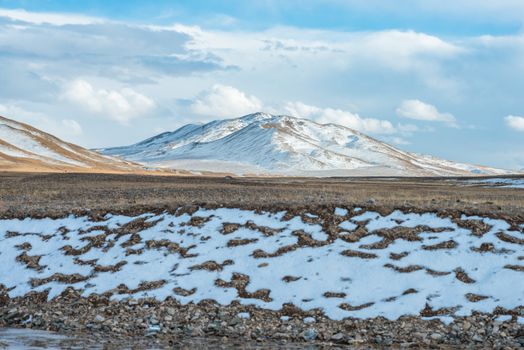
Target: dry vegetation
23, 194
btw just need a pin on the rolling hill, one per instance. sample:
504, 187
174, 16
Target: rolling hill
24, 148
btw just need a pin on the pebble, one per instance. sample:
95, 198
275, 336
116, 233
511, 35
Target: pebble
310, 334
99, 319
169, 321
337, 337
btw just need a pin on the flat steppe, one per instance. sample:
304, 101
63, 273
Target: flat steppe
50, 194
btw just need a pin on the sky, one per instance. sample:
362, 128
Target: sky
436, 77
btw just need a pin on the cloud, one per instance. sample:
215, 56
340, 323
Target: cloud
120, 105
398, 141
72, 125
418, 110
515, 122
222, 101
339, 116
98, 47
47, 17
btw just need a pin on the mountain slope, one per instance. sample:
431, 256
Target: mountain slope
266, 144
24, 148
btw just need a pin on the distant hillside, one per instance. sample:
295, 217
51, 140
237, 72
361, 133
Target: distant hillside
282, 145
24, 148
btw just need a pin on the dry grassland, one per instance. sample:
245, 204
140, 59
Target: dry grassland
30, 194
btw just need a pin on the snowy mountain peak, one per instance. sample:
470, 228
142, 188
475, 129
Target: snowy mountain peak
262, 143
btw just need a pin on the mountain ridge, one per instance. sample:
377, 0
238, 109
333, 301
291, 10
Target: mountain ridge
266, 144
25, 148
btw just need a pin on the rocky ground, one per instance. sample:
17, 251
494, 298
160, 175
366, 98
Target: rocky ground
149, 322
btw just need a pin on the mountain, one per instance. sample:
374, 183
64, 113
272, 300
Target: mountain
24, 148
282, 145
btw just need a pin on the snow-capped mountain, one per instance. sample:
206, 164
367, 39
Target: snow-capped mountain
25, 148
282, 145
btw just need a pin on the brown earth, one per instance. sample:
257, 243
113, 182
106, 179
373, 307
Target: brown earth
48, 194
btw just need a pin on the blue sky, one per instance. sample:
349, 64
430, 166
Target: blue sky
433, 17
438, 77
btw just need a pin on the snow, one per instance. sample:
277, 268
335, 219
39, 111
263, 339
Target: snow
309, 320
22, 141
347, 225
341, 212
27, 142
318, 268
282, 145
12, 152
500, 182
503, 318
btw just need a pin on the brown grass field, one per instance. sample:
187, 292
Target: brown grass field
54, 194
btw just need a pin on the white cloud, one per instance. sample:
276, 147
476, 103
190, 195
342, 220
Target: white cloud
301, 110
394, 49
515, 122
17, 113
418, 110
47, 17
73, 126
399, 141
228, 102
339, 116
225, 101
122, 105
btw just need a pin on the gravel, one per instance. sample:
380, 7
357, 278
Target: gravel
169, 322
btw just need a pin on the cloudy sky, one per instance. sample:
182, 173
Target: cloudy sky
429, 76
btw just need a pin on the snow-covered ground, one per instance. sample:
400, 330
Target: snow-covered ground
369, 265
500, 182
261, 143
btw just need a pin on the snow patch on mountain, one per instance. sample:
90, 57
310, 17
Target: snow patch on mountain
261, 143
25, 148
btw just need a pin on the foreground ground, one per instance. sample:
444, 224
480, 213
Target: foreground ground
411, 262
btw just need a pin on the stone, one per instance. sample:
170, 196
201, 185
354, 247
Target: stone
337, 337
310, 334
436, 336
99, 319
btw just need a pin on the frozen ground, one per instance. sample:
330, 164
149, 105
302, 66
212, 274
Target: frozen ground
500, 182
25, 339
349, 262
